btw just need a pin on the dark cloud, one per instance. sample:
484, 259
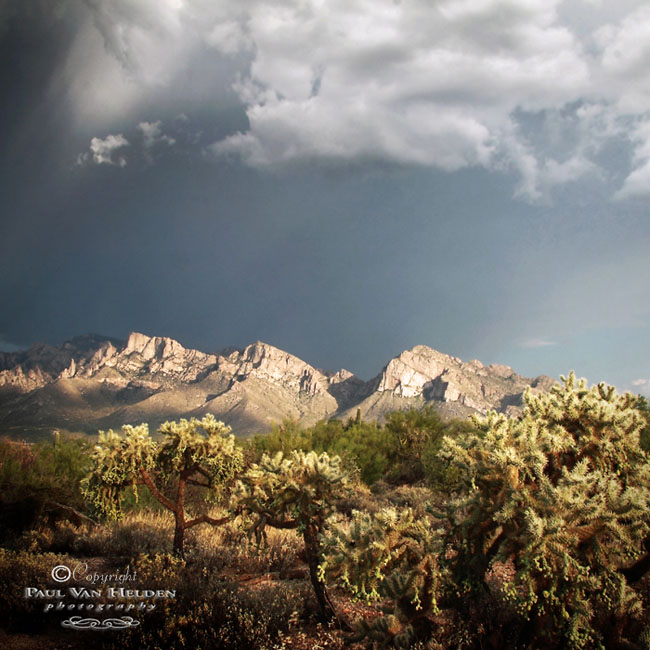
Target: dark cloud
361, 198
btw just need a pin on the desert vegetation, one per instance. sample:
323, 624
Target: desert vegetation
494, 532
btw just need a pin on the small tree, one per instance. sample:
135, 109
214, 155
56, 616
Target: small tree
297, 492
414, 431
198, 453
562, 493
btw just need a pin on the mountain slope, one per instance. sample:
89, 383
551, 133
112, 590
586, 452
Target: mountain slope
92, 382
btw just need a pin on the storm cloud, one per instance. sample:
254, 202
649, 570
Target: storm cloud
341, 178
448, 85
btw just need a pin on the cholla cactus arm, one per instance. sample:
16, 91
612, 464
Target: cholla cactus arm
565, 492
363, 553
295, 492
194, 452
118, 461
199, 447
389, 555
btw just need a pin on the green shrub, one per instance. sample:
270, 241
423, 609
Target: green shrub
286, 437
34, 478
414, 430
18, 570
443, 475
210, 612
366, 446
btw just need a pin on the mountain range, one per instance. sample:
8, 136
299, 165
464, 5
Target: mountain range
93, 382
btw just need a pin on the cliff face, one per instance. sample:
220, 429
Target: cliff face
88, 357
434, 376
91, 382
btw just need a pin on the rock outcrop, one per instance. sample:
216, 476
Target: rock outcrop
422, 375
93, 382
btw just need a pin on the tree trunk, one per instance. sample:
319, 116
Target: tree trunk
179, 517
179, 535
312, 550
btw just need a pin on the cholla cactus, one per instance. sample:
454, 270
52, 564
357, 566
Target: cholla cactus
389, 555
194, 452
299, 492
564, 491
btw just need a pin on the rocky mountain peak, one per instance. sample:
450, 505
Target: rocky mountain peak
155, 347
266, 362
409, 373
500, 370
93, 382
162, 357
423, 372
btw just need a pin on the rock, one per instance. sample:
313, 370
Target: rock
93, 382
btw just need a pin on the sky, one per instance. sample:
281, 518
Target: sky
343, 179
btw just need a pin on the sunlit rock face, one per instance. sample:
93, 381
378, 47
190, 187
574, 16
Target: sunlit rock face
432, 376
93, 382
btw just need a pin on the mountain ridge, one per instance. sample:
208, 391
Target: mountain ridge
92, 382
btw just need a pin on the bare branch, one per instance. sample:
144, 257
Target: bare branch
146, 479
205, 519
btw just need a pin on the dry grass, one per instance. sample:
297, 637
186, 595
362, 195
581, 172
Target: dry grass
225, 547
228, 546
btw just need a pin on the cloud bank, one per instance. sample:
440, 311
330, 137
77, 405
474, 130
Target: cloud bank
448, 85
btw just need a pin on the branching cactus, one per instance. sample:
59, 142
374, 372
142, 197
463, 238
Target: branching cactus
193, 452
389, 555
298, 491
563, 493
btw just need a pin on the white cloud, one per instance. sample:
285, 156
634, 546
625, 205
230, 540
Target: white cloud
533, 343
409, 83
442, 84
104, 152
625, 54
539, 174
637, 184
146, 37
642, 386
126, 55
152, 135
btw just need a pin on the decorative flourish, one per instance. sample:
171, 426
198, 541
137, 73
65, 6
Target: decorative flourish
78, 623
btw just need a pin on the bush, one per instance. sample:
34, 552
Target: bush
286, 437
210, 612
36, 478
439, 471
414, 431
404, 449
18, 570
